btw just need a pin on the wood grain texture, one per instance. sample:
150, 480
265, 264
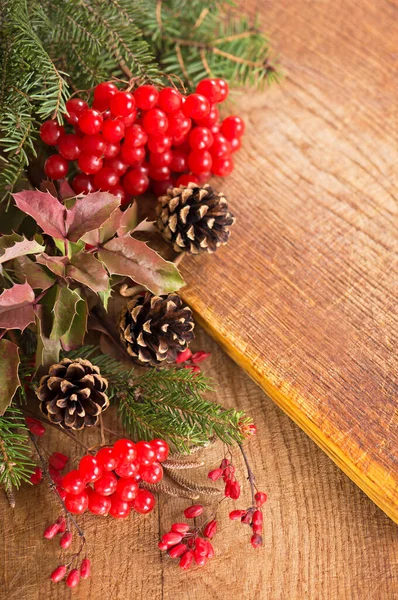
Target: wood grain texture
304, 296
324, 539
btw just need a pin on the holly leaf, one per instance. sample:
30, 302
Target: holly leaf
56, 264
105, 297
74, 337
16, 307
89, 212
119, 223
64, 311
14, 245
132, 258
128, 220
27, 270
45, 209
88, 270
9, 379
47, 352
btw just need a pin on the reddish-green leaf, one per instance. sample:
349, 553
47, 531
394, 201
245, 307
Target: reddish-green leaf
9, 379
45, 209
88, 270
14, 245
119, 223
130, 257
64, 311
27, 270
90, 212
56, 264
16, 307
128, 220
47, 352
74, 337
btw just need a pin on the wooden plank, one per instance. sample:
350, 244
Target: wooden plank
323, 538
304, 297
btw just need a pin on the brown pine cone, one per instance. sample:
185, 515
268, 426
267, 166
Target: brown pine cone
193, 218
73, 393
155, 329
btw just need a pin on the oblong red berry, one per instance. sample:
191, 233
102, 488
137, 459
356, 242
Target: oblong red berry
211, 529
180, 527
51, 531
235, 515
256, 540
193, 511
85, 568
58, 460
186, 560
200, 547
215, 474
177, 550
73, 578
58, 574
66, 540
171, 538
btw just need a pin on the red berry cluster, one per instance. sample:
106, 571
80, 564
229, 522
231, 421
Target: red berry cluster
114, 474
253, 517
191, 360
128, 141
186, 542
227, 471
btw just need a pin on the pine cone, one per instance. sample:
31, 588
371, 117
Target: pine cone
73, 393
194, 218
154, 329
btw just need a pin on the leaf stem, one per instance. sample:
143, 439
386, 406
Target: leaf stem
250, 474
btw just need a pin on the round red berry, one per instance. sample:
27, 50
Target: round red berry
161, 449
210, 119
232, 127
146, 97
135, 182
82, 184
224, 89
256, 540
132, 155
127, 489
160, 159
152, 473
155, 121
89, 469
260, 498
144, 502
199, 161
93, 144
73, 482
159, 173
98, 504
200, 138
112, 150
56, 167
105, 179
50, 132
221, 146
119, 191
187, 178
179, 125
90, 121
119, 508
103, 92
235, 144
222, 166
169, 100
106, 485
113, 130
89, 163
75, 107
196, 106
210, 88
125, 450
127, 470
77, 503
69, 146
117, 165
159, 143
136, 136
122, 104
130, 119
146, 455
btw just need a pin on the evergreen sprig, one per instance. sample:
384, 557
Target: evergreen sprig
15, 461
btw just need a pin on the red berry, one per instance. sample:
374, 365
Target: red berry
146, 455
211, 529
210, 550
200, 559
69, 146
160, 159
256, 540
260, 498
179, 125
61, 493
198, 357
103, 93
58, 460
200, 138
257, 517
136, 182
93, 144
257, 528
180, 528
232, 127
119, 509
73, 578
235, 144
171, 538
73, 482
127, 489
186, 179
36, 476
85, 568
177, 550
159, 173
131, 155
106, 179
125, 450
58, 574
130, 119
179, 161
161, 449
82, 184
201, 547
183, 356
56, 167
211, 119
246, 518
162, 546
135, 136
221, 146
152, 473
199, 161
113, 130
196, 106
144, 502
98, 504
127, 470
155, 121
89, 163
193, 511
215, 474
146, 97
211, 89
77, 503
224, 89
186, 560
66, 540
112, 150
51, 531
222, 166
107, 459
75, 107
89, 469
50, 132
116, 165
34, 426
159, 143
55, 475
235, 515
170, 100
120, 193
106, 485
90, 121
122, 104
61, 522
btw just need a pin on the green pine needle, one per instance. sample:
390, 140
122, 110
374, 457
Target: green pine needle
16, 465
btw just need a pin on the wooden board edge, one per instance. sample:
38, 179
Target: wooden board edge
365, 482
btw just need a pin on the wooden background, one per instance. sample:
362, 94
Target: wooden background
304, 297
324, 539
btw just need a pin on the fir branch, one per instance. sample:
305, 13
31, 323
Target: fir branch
15, 462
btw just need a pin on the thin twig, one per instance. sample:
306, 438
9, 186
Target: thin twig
250, 474
102, 430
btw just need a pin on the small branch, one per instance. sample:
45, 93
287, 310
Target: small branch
102, 430
250, 474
